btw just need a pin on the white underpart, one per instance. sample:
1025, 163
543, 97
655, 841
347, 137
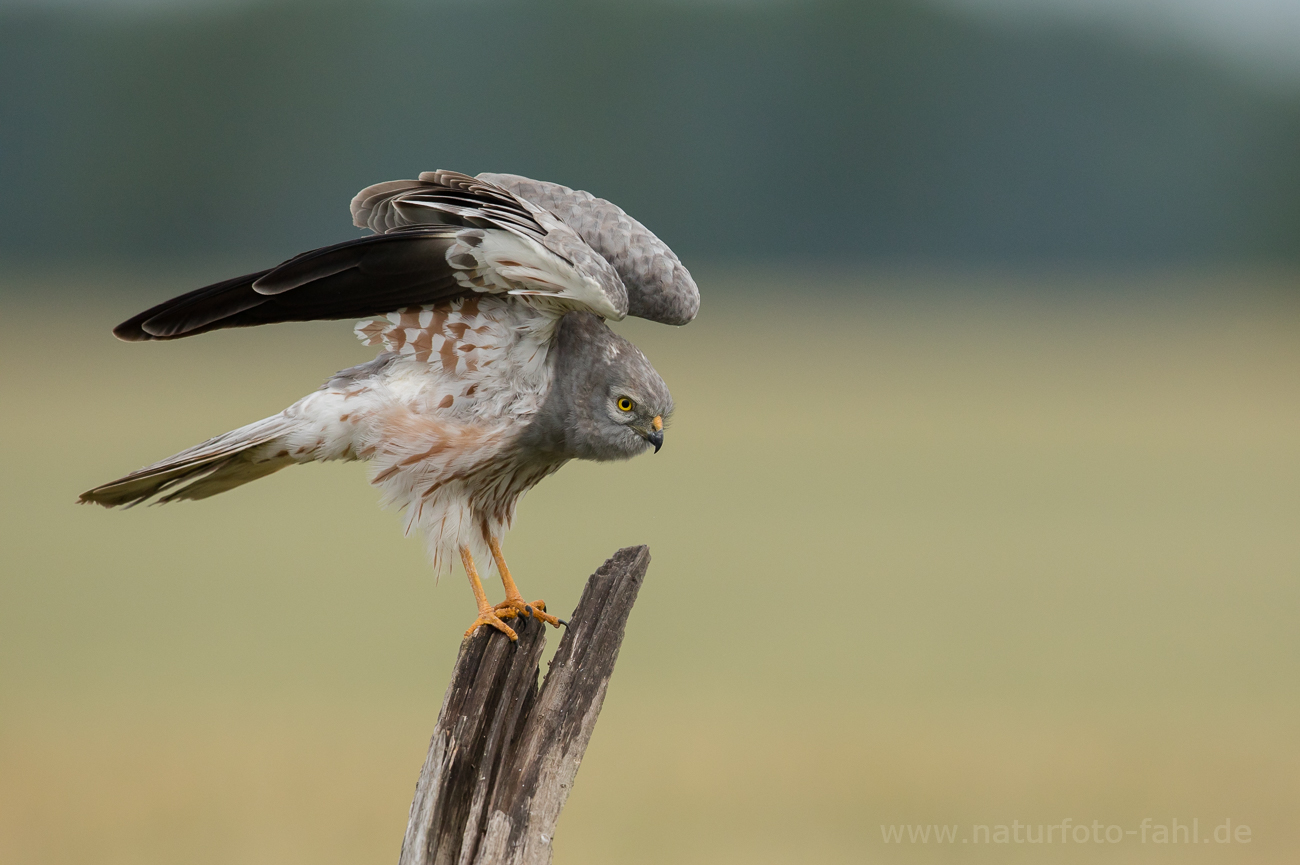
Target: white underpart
511, 264
438, 423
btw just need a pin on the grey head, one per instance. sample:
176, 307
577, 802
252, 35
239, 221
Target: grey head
606, 401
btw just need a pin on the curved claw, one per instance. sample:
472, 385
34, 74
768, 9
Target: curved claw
536, 610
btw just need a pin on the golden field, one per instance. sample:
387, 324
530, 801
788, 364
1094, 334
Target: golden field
973, 550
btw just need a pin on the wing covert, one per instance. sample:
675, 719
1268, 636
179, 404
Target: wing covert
659, 287
449, 197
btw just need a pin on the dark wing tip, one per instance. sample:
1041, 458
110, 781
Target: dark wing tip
191, 312
131, 331
366, 276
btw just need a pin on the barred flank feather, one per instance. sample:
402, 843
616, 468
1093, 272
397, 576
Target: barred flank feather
215, 466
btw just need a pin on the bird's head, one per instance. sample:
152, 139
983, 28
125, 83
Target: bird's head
606, 401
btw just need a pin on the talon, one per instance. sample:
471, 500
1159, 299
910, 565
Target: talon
537, 610
564, 622
489, 618
539, 613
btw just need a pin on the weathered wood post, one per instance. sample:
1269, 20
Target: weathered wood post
504, 753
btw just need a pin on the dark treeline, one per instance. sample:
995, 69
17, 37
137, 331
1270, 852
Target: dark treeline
886, 131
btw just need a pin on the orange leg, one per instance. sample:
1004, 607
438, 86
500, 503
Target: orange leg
514, 602
486, 614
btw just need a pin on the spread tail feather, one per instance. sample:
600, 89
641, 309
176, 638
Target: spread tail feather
217, 465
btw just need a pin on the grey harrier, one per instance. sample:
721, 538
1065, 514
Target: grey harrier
489, 295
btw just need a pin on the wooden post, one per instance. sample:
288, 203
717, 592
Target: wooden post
504, 753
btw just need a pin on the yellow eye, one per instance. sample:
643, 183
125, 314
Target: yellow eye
625, 404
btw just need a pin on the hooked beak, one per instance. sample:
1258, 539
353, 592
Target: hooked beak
656, 437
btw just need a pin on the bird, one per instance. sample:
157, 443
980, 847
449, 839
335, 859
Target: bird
490, 298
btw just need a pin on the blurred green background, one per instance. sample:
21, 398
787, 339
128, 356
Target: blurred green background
979, 505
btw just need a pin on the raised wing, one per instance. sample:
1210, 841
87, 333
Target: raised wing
659, 287
471, 237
